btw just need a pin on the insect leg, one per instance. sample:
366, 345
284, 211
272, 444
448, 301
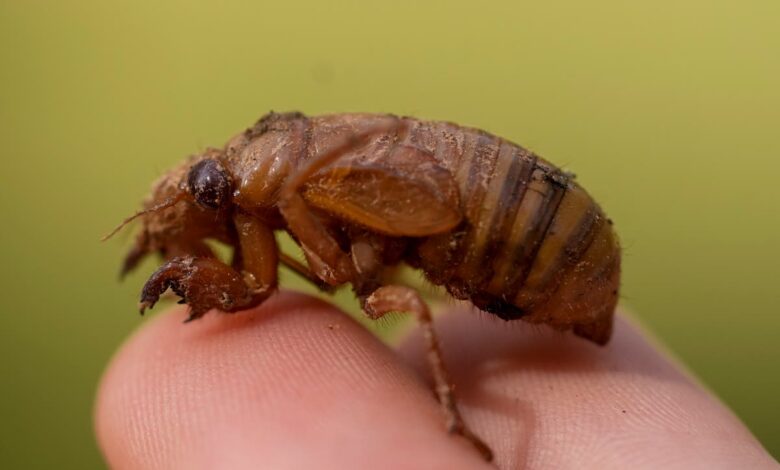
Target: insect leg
404, 299
202, 283
259, 256
302, 270
206, 283
324, 255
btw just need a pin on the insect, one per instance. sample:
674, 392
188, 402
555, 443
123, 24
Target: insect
360, 193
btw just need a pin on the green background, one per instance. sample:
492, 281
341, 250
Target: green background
668, 111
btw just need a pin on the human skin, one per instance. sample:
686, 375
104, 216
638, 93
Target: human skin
295, 383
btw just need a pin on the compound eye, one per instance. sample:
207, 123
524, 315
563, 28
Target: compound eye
209, 183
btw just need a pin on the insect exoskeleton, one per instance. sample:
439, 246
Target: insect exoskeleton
489, 220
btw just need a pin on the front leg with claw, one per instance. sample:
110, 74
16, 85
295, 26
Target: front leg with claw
206, 283
203, 284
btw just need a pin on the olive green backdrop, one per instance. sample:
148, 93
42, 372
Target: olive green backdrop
668, 111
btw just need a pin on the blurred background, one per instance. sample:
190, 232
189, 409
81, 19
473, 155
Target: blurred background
668, 111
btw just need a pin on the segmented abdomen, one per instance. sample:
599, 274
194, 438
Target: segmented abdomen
533, 243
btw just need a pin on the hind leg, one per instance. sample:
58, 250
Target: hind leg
404, 299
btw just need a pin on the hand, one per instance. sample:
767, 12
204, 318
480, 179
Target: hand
297, 384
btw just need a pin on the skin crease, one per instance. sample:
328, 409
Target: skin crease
297, 384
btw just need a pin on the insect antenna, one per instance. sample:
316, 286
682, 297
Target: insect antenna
167, 203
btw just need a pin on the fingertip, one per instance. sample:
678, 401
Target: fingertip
169, 365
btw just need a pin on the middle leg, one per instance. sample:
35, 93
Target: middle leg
323, 254
303, 271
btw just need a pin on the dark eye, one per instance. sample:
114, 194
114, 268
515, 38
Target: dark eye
209, 183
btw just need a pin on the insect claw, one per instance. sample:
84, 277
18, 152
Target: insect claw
191, 317
483, 449
144, 304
